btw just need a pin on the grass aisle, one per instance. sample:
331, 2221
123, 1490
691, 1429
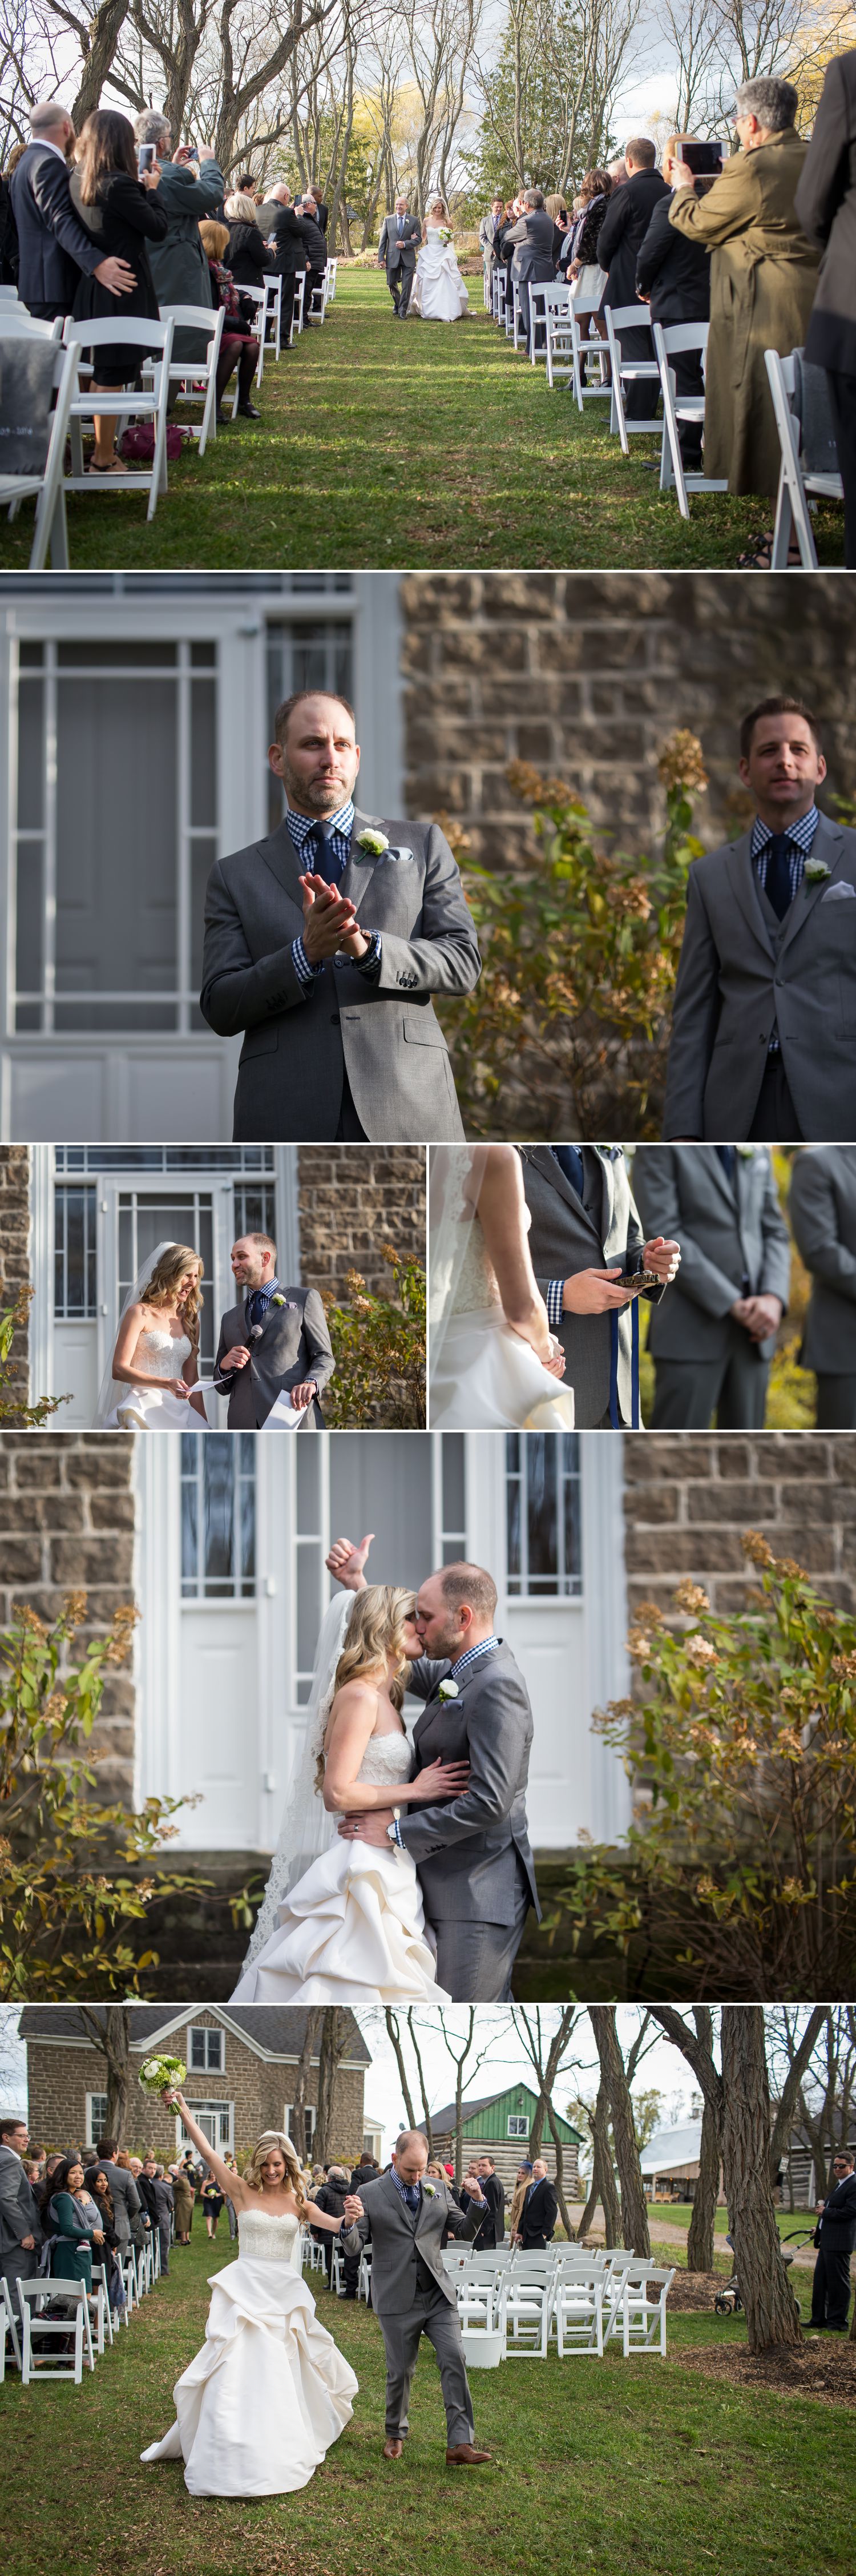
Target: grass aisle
637, 2467
410, 444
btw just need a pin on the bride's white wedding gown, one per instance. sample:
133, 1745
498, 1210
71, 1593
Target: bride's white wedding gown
439, 293
150, 1408
486, 1377
352, 1931
260, 2405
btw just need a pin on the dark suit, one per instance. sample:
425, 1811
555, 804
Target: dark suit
472, 1852
290, 254
293, 1344
20, 2216
823, 1216
734, 1243
492, 2229
835, 2237
53, 246
599, 1231
532, 261
674, 274
622, 233
539, 2213
826, 208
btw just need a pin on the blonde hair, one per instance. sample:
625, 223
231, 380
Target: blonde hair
556, 205
241, 208
294, 2180
215, 239
161, 1287
375, 1630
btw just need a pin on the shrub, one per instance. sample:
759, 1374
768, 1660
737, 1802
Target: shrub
14, 1414
380, 1352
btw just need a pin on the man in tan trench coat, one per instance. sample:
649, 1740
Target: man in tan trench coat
763, 277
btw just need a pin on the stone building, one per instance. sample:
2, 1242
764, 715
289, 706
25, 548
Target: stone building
241, 2068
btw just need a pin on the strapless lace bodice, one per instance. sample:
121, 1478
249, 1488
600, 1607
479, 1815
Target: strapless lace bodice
269, 2235
161, 1353
387, 1758
475, 1286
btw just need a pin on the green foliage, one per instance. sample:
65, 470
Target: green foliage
67, 1901
379, 1348
522, 137
740, 1861
14, 1414
567, 1032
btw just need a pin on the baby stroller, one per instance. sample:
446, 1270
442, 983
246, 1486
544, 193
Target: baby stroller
728, 2302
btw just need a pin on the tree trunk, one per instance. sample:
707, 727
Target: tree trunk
110, 2030
564, 2211
298, 2107
700, 2241
425, 2122
602, 2187
395, 2036
103, 38
334, 2041
789, 2097
771, 2312
634, 2214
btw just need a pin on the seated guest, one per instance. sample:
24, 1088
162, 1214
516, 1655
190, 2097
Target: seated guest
621, 235
54, 249
823, 1216
673, 279
121, 213
249, 257
826, 209
74, 2227
239, 346
713, 1337
763, 277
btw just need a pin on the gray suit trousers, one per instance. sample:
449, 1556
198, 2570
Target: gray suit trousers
18, 2265
836, 1401
775, 1120
475, 1961
432, 2315
733, 1386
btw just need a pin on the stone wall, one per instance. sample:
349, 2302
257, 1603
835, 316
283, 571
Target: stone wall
66, 1524
688, 1499
14, 1256
353, 1198
585, 676
59, 2078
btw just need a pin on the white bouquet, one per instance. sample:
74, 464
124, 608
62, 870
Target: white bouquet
162, 2074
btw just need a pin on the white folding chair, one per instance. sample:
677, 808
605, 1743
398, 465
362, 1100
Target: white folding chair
297, 314
578, 2310
50, 535
9, 295
364, 2275
585, 347
152, 339
338, 2268
40, 2329
633, 371
643, 2317
332, 274
317, 299
104, 2321
9, 2325
274, 312
525, 2307
130, 2276
538, 297
795, 485
676, 339
499, 288
260, 296
518, 334
197, 376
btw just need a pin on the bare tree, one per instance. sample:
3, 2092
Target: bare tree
819, 2083
335, 2034
791, 2094
301, 2084
109, 2029
740, 2097
634, 2212
702, 2227
602, 2186
440, 37
545, 2056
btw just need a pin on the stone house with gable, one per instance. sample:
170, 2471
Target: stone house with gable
241, 2065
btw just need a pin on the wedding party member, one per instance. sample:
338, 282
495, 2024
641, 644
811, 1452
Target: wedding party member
54, 248
713, 1338
540, 2209
475, 1866
620, 239
400, 236
268, 2394
275, 1342
763, 1042
826, 209
835, 2237
439, 293
350, 1927
155, 1361
822, 1208
587, 1246
404, 2219
494, 1362
20, 2216
323, 946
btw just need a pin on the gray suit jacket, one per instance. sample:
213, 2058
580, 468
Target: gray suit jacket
398, 2235
394, 253
736, 979
467, 1850
823, 1216
381, 1031
19, 2209
125, 2197
727, 1231
563, 1239
293, 1344
533, 239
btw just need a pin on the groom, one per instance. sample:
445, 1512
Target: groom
324, 944
472, 1853
405, 2220
400, 236
275, 1340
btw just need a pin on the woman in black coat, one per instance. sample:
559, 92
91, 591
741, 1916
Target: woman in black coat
248, 256
120, 212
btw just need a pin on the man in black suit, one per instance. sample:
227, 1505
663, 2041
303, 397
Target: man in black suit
673, 279
835, 2237
316, 247
365, 2171
492, 2229
20, 2217
620, 239
52, 245
284, 230
540, 2209
322, 212
825, 205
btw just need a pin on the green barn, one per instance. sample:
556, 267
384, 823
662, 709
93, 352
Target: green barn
500, 2125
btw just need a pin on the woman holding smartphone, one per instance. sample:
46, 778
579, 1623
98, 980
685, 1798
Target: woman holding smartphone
118, 208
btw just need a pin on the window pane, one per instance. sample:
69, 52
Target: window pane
74, 1259
116, 878
454, 1506
542, 1511
102, 653
197, 2047
202, 656
308, 1612
189, 1513
219, 1508
203, 755
308, 1462
31, 757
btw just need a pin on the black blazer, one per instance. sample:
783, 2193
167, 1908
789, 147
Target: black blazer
53, 245
673, 271
322, 213
124, 218
248, 256
316, 247
623, 231
539, 2214
291, 249
826, 208
835, 2232
492, 2229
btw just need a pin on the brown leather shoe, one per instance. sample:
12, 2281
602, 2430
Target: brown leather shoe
464, 2456
392, 2450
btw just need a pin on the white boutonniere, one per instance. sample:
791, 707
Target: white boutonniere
815, 871
278, 1300
746, 1153
449, 1690
373, 843
429, 2189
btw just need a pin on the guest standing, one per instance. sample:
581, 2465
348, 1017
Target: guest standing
121, 214
189, 190
540, 2209
622, 233
823, 1216
248, 255
826, 209
673, 279
20, 2215
54, 248
835, 2237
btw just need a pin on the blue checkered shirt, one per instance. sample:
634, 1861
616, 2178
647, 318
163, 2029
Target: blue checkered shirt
800, 837
301, 828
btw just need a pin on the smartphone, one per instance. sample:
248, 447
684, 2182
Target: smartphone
146, 157
643, 1279
193, 149
705, 159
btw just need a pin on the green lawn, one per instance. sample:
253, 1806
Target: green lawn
629, 2466
390, 444
790, 2222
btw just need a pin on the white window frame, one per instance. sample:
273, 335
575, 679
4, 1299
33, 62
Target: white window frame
310, 2116
209, 2031
210, 2103
95, 2128
517, 2124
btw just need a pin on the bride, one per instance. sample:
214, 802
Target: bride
439, 293
258, 2408
493, 1361
155, 1362
349, 1928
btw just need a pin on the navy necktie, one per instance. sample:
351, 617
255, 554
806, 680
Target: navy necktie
257, 1305
726, 1155
410, 2191
570, 1162
778, 878
320, 856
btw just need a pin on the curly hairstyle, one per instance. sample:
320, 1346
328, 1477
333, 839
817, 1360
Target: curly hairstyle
253, 2171
375, 1630
161, 1287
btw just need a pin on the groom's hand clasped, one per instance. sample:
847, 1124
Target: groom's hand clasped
329, 922
353, 2208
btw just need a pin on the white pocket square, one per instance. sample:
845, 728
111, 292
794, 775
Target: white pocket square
839, 893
